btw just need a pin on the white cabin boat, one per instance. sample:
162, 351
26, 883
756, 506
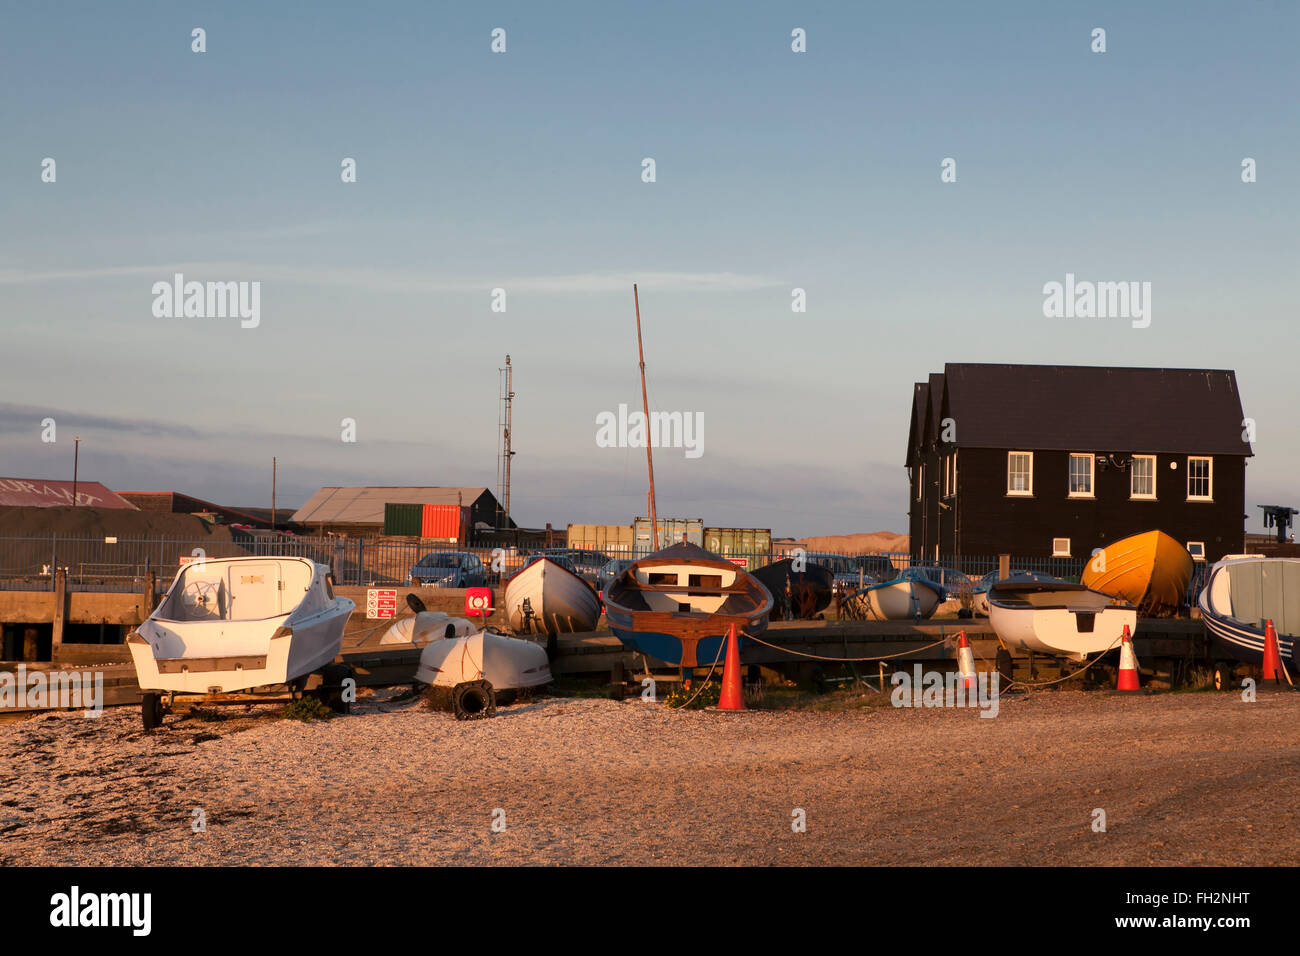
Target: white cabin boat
1049, 616
545, 597
230, 624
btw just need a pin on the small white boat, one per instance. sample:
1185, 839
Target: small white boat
902, 599
230, 624
426, 626
1050, 616
507, 663
545, 597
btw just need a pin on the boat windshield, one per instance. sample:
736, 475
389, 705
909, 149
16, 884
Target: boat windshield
237, 591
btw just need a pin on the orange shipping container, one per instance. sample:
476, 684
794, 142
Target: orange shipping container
444, 521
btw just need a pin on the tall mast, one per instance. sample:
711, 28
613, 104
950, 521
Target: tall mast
507, 397
645, 405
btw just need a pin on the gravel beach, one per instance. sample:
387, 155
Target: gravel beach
1196, 778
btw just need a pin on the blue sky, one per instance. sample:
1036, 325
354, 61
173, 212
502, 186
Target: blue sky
522, 170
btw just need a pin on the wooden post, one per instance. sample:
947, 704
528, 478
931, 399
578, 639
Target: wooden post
30, 645
150, 591
1004, 566
60, 610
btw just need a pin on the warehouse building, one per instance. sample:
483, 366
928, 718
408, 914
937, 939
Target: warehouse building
359, 512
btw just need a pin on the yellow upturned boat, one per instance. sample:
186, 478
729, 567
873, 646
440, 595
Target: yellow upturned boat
1151, 570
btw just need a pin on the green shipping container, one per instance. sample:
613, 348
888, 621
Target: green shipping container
752, 546
403, 519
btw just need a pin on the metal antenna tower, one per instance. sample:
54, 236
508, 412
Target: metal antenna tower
505, 383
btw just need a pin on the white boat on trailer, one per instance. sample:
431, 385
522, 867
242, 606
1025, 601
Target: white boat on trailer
1059, 618
234, 624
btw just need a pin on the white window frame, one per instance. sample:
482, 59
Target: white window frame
1133, 473
1092, 476
1199, 553
1016, 493
1061, 554
1209, 478
920, 481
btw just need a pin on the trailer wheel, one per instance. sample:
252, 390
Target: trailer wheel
473, 700
1223, 676
151, 711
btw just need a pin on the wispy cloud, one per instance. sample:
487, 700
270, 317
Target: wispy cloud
397, 280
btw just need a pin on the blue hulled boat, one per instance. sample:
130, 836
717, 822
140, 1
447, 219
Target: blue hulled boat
678, 604
1240, 595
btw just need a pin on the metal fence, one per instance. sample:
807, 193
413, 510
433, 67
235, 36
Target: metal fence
109, 564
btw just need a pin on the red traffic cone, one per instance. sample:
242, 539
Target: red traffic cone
732, 696
1128, 665
1272, 656
965, 661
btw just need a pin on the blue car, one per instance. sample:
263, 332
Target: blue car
450, 569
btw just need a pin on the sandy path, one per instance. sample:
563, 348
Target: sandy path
1184, 779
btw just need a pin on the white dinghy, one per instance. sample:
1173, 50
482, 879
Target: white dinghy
507, 663
546, 597
1050, 616
231, 624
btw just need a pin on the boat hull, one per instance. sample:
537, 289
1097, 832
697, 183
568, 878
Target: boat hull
1149, 570
560, 602
1264, 589
1064, 631
667, 647
211, 653
902, 600
679, 604
507, 663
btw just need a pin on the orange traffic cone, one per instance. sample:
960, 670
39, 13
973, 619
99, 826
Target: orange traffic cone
732, 696
1272, 656
965, 661
1128, 665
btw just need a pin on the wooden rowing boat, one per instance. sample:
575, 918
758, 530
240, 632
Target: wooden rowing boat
678, 604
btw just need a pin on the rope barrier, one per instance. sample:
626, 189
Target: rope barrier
820, 657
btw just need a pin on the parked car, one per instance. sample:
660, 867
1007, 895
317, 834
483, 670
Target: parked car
842, 567
610, 570
585, 564
450, 569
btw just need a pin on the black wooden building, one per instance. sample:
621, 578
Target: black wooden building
1051, 460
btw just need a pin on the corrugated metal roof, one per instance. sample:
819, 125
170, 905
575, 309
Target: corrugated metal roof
1084, 408
366, 505
40, 493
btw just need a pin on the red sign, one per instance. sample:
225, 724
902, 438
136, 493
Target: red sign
381, 603
478, 602
743, 562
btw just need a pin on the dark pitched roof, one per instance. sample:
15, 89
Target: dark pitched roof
1098, 409
916, 434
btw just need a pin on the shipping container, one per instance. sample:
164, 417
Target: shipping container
445, 522
403, 519
670, 532
613, 539
748, 547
